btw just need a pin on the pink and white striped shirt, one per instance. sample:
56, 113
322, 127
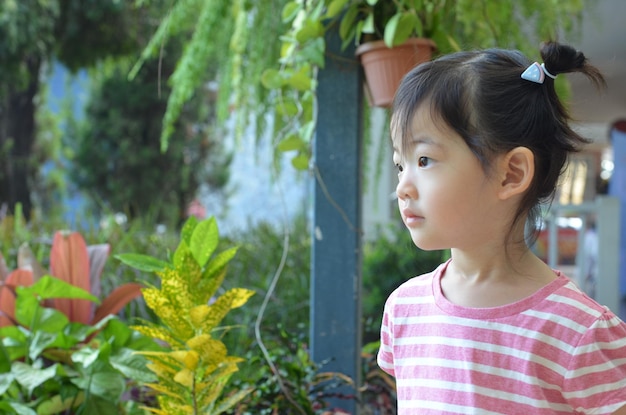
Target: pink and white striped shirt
555, 352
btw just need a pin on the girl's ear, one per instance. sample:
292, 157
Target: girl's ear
517, 169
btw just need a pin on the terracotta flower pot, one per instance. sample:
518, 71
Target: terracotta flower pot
384, 67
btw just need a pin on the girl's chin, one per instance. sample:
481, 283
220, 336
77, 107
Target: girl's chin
424, 244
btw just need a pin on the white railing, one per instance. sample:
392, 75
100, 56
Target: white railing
605, 210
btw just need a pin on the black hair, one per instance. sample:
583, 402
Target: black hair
482, 97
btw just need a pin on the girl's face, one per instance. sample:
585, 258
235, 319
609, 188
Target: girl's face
445, 198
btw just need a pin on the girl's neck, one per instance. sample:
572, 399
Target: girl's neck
490, 279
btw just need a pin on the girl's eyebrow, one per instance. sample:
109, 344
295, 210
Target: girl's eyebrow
415, 141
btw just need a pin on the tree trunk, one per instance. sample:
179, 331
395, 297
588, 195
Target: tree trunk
17, 135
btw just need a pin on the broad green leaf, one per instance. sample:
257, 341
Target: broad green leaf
300, 81
230, 401
368, 25
211, 279
21, 409
390, 29
272, 79
86, 356
46, 319
58, 405
102, 381
347, 22
181, 255
31, 377
117, 333
287, 107
204, 240
188, 228
132, 365
290, 10
29, 313
335, 7
306, 131
96, 405
41, 341
290, 143
313, 52
49, 287
300, 162
212, 282
143, 262
310, 30
5, 381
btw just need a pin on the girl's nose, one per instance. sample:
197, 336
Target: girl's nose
406, 188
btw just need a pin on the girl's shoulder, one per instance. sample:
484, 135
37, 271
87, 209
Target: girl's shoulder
570, 302
418, 286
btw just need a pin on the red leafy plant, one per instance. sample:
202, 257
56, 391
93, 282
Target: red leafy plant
72, 261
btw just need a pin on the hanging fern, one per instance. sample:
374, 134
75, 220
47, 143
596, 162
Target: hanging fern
230, 41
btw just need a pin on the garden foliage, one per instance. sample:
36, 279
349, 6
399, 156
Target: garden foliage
195, 367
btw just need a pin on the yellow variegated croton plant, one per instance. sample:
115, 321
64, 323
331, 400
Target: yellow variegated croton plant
195, 366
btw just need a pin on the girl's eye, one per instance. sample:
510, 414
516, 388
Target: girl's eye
399, 167
423, 161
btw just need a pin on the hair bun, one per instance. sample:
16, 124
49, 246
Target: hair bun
559, 58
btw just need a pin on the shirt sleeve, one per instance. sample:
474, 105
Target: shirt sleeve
596, 380
385, 353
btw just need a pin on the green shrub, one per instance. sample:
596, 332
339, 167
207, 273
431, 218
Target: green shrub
388, 261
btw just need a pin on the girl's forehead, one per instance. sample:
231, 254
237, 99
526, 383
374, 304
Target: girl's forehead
421, 125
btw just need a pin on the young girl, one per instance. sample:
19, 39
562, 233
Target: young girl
480, 139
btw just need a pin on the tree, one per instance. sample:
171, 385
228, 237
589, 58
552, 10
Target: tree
33, 33
118, 161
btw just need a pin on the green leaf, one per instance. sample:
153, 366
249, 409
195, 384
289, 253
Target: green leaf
5, 361
214, 275
21, 409
368, 25
390, 29
347, 22
31, 377
400, 27
300, 81
300, 162
132, 365
310, 30
86, 356
290, 143
230, 401
41, 341
143, 262
313, 52
187, 230
287, 107
104, 382
29, 313
335, 7
49, 320
49, 287
5, 381
204, 240
290, 11
271, 79
96, 405
58, 405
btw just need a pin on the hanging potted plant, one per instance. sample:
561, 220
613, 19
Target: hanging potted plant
390, 38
